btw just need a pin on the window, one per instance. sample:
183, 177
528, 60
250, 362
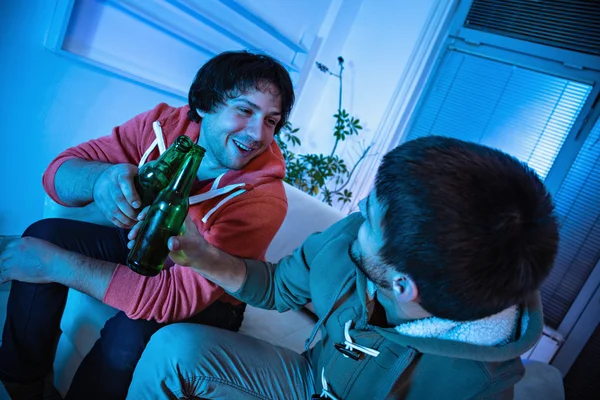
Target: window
578, 208
523, 112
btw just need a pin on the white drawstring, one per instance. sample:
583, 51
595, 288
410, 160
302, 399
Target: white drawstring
159, 141
213, 192
215, 184
219, 204
147, 153
159, 135
325, 393
199, 198
350, 345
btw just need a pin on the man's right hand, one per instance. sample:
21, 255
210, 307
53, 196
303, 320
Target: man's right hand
192, 250
116, 196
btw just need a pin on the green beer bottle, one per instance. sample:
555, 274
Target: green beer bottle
155, 175
165, 218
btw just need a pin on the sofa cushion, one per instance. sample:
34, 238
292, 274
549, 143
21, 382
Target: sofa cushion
305, 216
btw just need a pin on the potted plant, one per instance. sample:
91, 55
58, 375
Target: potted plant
320, 175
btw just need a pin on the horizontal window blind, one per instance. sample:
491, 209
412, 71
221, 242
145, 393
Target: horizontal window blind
568, 24
578, 207
525, 113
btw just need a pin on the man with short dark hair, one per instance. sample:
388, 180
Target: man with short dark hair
430, 292
237, 103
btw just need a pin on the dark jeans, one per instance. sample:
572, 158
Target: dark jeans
34, 312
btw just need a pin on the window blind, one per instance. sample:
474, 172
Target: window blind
525, 113
568, 24
578, 208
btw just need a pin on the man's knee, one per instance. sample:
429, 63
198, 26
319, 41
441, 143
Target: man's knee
46, 229
123, 340
179, 337
182, 343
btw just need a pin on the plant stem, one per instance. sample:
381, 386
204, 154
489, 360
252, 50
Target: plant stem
339, 106
364, 154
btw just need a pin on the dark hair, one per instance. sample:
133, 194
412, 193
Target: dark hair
232, 73
472, 226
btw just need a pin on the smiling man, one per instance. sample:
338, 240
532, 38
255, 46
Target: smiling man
430, 292
237, 103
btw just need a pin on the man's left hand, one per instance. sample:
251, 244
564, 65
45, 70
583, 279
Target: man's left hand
29, 259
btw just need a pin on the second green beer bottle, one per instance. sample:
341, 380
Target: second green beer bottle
155, 175
165, 218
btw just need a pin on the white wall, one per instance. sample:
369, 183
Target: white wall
49, 103
377, 49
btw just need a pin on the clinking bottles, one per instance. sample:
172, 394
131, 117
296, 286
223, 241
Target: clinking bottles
155, 175
165, 218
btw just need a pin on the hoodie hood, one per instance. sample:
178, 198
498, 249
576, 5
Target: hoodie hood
500, 337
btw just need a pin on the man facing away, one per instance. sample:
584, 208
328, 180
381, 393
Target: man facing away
430, 292
237, 103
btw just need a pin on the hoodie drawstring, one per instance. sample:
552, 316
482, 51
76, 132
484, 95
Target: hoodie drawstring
214, 190
219, 204
351, 346
325, 393
159, 141
319, 323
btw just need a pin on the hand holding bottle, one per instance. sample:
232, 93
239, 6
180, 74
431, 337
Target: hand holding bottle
165, 218
115, 194
185, 249
190, 249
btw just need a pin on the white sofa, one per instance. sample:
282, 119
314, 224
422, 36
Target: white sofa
84, 317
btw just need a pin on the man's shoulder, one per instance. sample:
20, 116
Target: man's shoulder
166, 112
169, 115
347, 226
174, 121
269, 191
330, 246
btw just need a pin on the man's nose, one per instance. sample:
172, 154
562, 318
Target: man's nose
256, 130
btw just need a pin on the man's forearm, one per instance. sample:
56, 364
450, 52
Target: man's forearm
82, 273
75, 178
225, 270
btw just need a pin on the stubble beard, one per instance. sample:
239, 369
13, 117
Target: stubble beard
372, 270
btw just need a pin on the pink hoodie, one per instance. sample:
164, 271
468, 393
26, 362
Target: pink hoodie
239, 212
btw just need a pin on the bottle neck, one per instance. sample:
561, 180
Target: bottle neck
183, 180
182, 145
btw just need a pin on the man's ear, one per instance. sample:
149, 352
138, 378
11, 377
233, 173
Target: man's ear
201, 113
404, 288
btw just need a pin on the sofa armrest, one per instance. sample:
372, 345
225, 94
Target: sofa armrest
305, 216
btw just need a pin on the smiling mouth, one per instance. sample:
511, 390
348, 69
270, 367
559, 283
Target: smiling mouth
242, 147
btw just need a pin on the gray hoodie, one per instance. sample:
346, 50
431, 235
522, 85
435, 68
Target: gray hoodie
430, 358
